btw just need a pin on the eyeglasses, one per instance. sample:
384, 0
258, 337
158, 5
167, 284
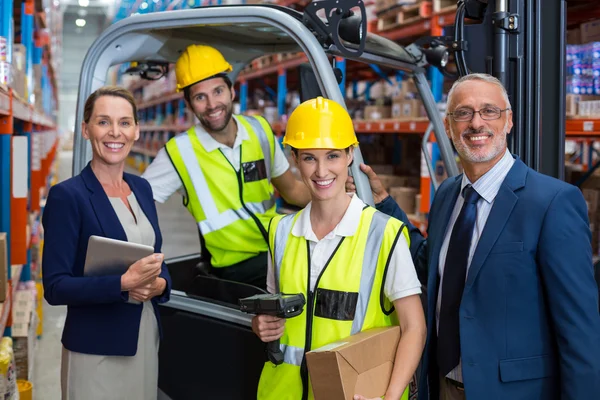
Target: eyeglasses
486, 114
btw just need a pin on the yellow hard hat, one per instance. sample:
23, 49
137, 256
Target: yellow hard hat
197, 63
320, 124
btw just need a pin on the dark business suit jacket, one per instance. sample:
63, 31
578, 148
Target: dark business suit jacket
529, 321
99, 318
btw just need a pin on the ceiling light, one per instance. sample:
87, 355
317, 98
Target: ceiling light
80, 22
144, 5
82, 12
84, 3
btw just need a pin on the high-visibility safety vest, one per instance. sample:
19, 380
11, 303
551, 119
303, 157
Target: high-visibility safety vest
348, 296
232, 208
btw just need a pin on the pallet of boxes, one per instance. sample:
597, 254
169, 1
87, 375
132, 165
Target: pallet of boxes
406, 103
392, 14
398, 102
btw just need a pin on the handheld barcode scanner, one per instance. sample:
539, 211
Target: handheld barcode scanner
279, 305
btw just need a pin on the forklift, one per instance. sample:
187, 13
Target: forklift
209, 350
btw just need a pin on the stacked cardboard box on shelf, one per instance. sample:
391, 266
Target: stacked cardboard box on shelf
19, 79
582, 105
407, 103
24, 329
399, 101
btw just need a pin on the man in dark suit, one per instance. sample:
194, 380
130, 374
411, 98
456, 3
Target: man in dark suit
512, 307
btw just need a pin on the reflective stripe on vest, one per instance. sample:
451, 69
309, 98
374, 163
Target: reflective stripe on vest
367, 277
229, 206
292, 355
217, 220
283, 230
369, 266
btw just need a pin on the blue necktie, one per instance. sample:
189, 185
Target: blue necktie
453, 282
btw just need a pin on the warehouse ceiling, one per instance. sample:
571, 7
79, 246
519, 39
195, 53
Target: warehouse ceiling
105, 7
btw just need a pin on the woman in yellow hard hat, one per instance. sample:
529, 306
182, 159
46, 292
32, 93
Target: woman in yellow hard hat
351, 262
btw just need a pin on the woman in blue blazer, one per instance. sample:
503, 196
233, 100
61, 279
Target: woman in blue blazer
110, 342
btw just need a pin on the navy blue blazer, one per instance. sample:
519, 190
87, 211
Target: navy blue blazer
99, 319
529, 321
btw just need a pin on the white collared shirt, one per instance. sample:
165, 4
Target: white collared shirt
401, 279
487, 186
163, 176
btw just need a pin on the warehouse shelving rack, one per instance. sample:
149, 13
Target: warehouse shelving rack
275, 74
28, 142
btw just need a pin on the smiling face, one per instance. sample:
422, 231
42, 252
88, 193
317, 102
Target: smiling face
324, 171
212, 102
479, 141
111, 129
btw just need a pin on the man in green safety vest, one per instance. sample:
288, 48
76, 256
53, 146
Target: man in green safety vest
228, 166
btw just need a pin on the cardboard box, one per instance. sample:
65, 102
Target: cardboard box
378, 112
590, 31
412, 109
397, 107
409, 89
389, 181
405, 197
361, 364
574, 36
573, 100
3, 266
19, 57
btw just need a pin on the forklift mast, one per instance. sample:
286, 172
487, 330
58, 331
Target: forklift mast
523, 45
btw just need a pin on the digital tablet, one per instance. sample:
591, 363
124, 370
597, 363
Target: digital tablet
107, 256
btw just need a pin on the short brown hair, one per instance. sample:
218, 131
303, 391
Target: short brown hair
114, 91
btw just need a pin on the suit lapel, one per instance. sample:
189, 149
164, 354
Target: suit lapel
503, 205
107, 218
145, 203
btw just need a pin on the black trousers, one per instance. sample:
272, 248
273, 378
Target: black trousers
252, 271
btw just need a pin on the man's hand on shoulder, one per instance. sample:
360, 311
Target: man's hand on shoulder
379, 192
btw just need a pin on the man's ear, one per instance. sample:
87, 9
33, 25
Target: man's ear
509, 124
232, 94
447, 126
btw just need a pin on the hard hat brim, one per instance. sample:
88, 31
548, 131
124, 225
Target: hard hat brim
320, 143
218, 75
